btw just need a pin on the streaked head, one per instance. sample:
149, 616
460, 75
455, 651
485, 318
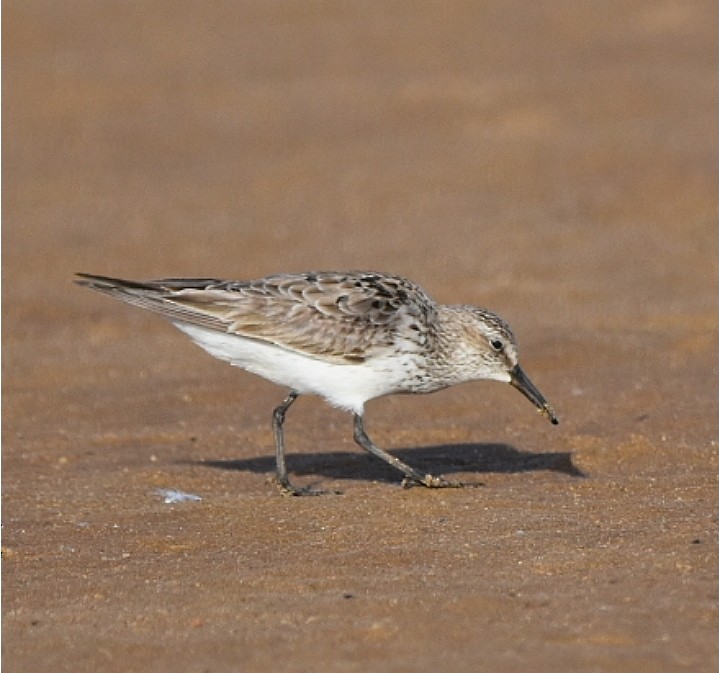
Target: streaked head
489, 348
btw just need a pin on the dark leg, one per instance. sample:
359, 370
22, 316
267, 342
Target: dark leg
411, 475
278, 418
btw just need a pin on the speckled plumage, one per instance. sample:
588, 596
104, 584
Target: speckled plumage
346, 336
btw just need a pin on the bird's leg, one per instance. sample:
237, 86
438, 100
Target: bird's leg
412, 476
278, 419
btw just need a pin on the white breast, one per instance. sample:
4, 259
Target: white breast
347, 386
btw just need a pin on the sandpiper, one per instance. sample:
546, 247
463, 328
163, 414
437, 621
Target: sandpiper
346, 336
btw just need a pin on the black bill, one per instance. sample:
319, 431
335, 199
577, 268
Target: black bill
522, 383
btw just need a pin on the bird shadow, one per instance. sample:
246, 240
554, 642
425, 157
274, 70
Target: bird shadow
441, 459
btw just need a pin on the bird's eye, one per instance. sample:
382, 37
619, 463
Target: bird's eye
497, 345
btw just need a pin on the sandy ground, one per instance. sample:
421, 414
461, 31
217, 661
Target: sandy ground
555, 162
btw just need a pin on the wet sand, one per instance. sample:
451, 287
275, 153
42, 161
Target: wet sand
555, 163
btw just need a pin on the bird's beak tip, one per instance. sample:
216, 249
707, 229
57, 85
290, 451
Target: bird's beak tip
520, 381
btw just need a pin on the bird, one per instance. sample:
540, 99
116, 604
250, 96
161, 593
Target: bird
346, 336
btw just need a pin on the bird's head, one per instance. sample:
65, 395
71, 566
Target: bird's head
488, 347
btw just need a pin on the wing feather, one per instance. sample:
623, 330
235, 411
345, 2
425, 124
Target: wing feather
346, 317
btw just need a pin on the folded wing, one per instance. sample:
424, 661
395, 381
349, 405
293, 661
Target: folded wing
346, 317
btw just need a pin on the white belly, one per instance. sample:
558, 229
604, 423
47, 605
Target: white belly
347, 386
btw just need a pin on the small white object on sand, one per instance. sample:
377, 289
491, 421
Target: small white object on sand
172, 496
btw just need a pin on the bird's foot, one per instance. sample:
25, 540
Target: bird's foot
288, 489
431, 482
